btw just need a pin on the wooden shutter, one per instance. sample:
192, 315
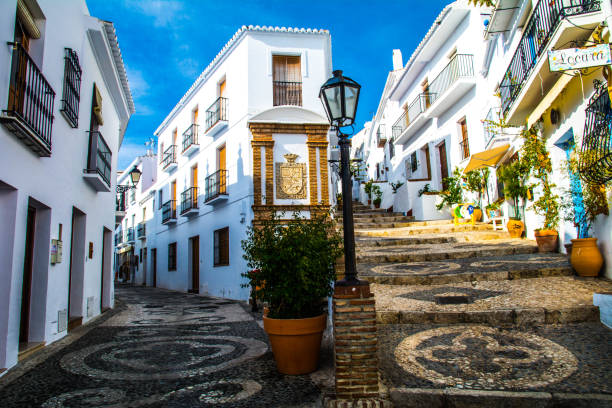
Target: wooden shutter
194, 176
222, 158
222, 89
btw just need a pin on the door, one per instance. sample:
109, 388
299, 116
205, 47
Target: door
154, 266
102, 272
443, 163
144, 265
195, 264
425, 87
194, 176
567, 144
222, 158
26, 289
173, 195
222, 89
195, 116
17, 88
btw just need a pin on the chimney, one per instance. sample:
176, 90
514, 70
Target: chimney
397, 60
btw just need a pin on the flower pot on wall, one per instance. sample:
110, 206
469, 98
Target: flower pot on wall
548, 240
296, 343
515, 228
586, 258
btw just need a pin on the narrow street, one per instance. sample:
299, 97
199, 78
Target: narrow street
162, 349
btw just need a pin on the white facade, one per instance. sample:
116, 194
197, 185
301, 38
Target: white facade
234, 92
48, 179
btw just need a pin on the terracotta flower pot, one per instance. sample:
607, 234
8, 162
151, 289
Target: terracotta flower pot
548, 240
586, 258
477, 214
515, 228
296, 343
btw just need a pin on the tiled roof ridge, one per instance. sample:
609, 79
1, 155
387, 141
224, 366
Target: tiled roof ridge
222, 53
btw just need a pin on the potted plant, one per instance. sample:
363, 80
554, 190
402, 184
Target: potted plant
514, 177
396, 186
367, 187
453, 193
477, 181
378, 193
294, 259
493, 210
547, 204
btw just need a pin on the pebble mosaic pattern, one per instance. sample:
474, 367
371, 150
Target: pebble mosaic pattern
166, 349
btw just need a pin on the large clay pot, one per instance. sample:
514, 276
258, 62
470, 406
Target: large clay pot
548, 240
586, 258
477, 214
296, 343
515, 228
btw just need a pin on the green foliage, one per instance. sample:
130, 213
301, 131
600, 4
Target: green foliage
357, 168
367, 187
453, 194
426, 189
294, 262
477, 181
396, 186
514, 175
377, 192
481, 3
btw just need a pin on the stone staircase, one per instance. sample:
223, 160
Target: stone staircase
469, 317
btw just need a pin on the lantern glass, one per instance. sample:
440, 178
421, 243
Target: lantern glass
333, 97
135, 176
351, 96
340, 96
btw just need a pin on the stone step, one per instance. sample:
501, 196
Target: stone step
442, 251
361, 242
389, 217
499, 268
549, 300
420, 229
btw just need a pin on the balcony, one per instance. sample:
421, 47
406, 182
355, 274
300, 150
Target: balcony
528, 76
287, 93
169, 212
141, 230
189, 201
30, 104
381, 137
129, 236
98, 171
216, 187
454, 81
119, 207
412, 119
216, 116
168, 162
190, 140
119, 238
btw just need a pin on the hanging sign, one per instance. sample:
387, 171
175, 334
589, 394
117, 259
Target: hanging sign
578, 58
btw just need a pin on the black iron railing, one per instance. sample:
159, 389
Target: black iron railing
168, 211
216, 112
120, 202
491, 125
460, 66
189, 199
595, 164
129, 234
381, 136
169, 156
190, 137
30, 97
119, 237
537, 33
216, 185
141, 230
464, 146
416, 107
71, 94
287, 93
100, 157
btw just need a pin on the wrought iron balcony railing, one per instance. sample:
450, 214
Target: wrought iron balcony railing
537, 33
217, 112
190, 137
119, 237
460, 66
129, 234
29, 113
416, 107
141, 230
120, 202
287, 93
100, 157
595, 159
71, 94
168, 211
381, 136
216, 185
169, 157
189, 199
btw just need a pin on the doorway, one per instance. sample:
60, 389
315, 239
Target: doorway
26, 289
443, 163
77, 269
194, 243
106, 272
154, 266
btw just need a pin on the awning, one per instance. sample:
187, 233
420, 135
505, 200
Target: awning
125, 249
488, 158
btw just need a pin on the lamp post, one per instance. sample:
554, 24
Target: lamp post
340, 96
135, 177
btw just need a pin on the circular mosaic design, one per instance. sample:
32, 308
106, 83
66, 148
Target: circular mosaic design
215, 392
99, 397
484, 357
162, 357
416, 268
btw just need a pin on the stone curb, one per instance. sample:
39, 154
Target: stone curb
442, 279
451, 397
361, 403
518, 316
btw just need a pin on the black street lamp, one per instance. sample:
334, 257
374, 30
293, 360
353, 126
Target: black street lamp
135, 177
340, 96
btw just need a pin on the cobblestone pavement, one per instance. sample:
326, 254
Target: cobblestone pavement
571, 358
164, 349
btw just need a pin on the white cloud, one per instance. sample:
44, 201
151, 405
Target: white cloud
139, 87
188, 67
128, 152
163, 12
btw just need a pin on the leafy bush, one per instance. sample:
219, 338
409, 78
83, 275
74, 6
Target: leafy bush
396, 186
477, 181
514, 176
453, 194
367, 187
294, 262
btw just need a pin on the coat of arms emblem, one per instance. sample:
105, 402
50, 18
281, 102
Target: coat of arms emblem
291, 178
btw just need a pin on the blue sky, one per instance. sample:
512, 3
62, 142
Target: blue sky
167, 43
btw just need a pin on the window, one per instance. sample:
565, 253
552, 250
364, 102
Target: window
414, 164
464, 144
221, 239
72, 88
172, 256
287, 80
160, 198
391, 149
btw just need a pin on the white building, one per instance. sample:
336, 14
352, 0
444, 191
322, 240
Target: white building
224, 149
64, 108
